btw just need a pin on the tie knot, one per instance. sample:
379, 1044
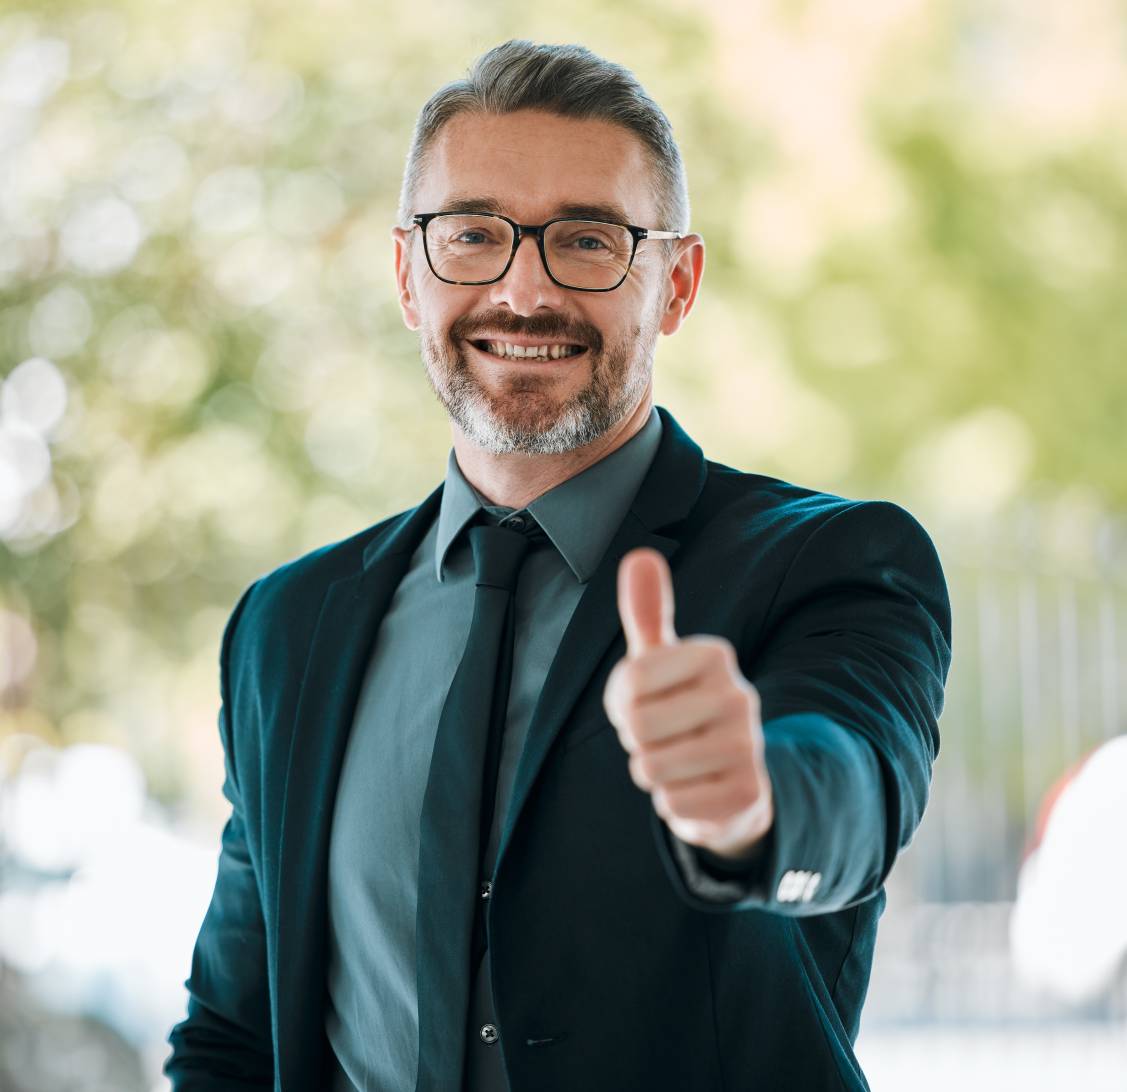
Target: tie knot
500, 549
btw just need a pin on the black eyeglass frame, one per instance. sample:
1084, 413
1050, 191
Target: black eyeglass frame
421, 219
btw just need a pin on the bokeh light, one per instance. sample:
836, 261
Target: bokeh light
916, 220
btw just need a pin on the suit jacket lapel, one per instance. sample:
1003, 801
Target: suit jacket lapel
339, 652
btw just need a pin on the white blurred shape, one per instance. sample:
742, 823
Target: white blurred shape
28, 929
101, 793
11, 496
101, 236
31, 182
169, 366
123, 931
34, 395
846, 328
116, 940
253, 271
264, 92
18, 649
228, 201
94, 37
60, 322
24, 455
1068, 932
306, 204
33, 70
779, 230
151, 168
44, 512
341, 440
214, 59
973, 465
65, 805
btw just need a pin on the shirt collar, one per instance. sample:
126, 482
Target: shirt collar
579, 515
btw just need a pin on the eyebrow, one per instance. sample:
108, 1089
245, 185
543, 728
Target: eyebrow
590, 211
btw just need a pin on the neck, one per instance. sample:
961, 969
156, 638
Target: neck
514, 480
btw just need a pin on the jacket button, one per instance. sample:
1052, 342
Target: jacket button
488, 1033
486, 889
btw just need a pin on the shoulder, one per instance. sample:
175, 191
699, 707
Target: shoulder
804, 545
795, 515
287, 599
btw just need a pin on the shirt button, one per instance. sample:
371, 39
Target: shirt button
516, 521
488, 1033
486, 889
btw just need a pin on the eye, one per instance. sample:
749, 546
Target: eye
589, 242
471, 238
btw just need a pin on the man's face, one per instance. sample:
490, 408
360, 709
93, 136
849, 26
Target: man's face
532, 166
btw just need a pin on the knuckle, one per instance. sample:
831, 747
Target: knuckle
639, 718
711, 643
743, 795
632, 677
752, 692
611, 708
719, 649
735, 701
641, 770
749, 696
635, 772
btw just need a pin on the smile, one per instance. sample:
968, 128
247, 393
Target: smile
546, 350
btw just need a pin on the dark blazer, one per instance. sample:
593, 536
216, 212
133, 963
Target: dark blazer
609, 973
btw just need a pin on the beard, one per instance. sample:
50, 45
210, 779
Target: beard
526, 415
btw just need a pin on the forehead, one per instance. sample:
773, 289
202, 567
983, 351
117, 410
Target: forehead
535, 165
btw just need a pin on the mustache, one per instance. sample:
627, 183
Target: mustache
551, 326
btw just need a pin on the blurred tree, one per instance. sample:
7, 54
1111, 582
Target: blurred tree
914, 289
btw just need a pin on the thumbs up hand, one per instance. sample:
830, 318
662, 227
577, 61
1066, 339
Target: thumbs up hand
688, 718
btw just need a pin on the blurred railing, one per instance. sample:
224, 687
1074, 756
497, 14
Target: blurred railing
1038, 679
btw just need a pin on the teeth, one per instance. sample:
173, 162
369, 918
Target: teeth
522, 352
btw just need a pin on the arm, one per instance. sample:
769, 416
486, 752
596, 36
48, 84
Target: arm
225, 1043
850, 670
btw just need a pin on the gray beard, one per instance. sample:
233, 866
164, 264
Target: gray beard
618, 380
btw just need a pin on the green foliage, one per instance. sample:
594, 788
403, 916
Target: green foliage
917, 296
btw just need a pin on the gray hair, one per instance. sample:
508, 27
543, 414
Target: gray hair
568, 80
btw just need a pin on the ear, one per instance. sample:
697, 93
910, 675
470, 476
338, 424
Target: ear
682, 281
407, 305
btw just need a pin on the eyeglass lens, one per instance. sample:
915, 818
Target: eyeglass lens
579, 253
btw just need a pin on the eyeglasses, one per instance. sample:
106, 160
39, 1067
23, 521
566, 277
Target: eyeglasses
479, 247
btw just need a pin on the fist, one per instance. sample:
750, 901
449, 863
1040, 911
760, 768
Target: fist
688, 719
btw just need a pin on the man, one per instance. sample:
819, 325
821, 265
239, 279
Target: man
671, 872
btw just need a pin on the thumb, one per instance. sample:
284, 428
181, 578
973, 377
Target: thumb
645, 600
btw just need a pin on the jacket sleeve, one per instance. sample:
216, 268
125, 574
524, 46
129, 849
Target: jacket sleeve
225, 1044
850, 670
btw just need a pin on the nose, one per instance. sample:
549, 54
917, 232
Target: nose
526, 287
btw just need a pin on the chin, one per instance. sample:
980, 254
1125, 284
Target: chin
525, 413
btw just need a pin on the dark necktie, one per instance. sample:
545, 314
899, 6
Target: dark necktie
458, 804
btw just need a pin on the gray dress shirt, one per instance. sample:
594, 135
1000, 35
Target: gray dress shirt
372, 1012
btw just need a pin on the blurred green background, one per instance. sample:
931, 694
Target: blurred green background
916, 220
916, 223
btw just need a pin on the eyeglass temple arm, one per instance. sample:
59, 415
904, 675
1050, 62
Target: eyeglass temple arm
662, 234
